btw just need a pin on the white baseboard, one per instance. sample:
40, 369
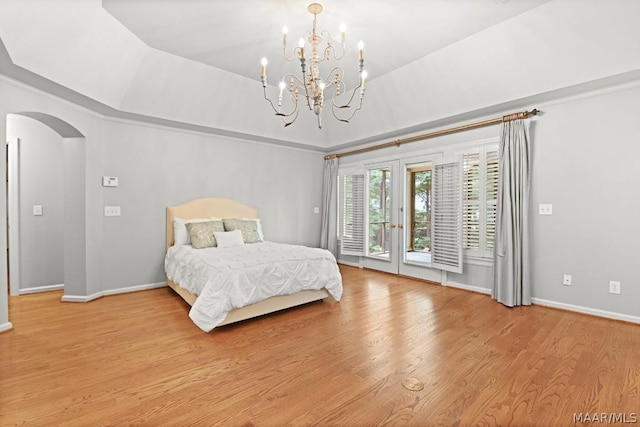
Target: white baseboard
7, 326
559, 305
37, 289
82, 298
469, 288
134, 288
350, 264
586, 310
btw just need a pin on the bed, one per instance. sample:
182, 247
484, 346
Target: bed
224, 285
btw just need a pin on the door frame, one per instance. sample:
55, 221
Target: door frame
389, 265
415, 269
410, 269
397, 263
13, 213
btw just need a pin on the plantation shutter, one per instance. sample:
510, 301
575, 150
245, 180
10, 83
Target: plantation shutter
491, 198
352, 218
471, 224
447, 215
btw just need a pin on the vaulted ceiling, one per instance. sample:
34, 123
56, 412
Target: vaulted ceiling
196, 64
233, 36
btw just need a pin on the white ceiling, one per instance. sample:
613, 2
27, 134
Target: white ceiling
195, 64
235, 35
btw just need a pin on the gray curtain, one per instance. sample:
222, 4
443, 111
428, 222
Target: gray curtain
328, 236
511, 285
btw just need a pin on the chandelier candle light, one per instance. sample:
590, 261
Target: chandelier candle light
312, 86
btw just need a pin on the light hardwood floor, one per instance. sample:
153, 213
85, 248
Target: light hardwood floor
137, 359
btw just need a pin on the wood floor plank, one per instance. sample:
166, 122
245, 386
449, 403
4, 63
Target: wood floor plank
137, 359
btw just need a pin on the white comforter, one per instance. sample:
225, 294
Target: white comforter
233, 277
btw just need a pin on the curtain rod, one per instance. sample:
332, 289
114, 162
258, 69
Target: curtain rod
397, 143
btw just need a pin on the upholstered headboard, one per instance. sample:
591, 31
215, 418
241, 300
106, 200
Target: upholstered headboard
205, 208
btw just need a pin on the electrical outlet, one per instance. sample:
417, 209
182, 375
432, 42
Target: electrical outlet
545, 209
566, 280
112, 211
614, 287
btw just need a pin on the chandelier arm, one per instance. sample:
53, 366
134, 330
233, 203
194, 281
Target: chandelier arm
353, 94
353, 112
294, 56
294, 111
293, 120
342, 55
293, 76
284, 116
279, 113
306, 93
269, 100
338, 72
326, 54
331, 48
303, 82
293, 99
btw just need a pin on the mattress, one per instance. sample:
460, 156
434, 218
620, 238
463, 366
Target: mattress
237, 276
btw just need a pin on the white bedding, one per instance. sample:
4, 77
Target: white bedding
233, 277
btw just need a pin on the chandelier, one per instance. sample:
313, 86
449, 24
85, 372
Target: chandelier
312, 86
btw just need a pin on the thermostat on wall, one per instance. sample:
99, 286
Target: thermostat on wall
109, 181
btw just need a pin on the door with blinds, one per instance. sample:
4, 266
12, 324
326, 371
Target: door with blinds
431, 227
408, 216
351, 212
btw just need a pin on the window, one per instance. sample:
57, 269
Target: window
479, 195
418, 221
379, 212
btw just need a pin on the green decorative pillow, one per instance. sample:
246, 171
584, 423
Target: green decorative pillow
248, 228
201, 233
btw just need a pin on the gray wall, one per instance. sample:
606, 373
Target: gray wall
40, 183
584, 152
159, 167
584, 155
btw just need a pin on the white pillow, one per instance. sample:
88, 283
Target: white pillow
180, 232
226, 239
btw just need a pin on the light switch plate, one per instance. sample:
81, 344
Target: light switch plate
109, 181
37, 210
316, 210
614, 287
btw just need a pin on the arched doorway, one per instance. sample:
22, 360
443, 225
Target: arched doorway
70, 209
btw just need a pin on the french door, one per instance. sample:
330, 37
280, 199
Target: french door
403, 224
382, 216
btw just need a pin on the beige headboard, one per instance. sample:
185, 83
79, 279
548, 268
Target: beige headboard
205, 208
